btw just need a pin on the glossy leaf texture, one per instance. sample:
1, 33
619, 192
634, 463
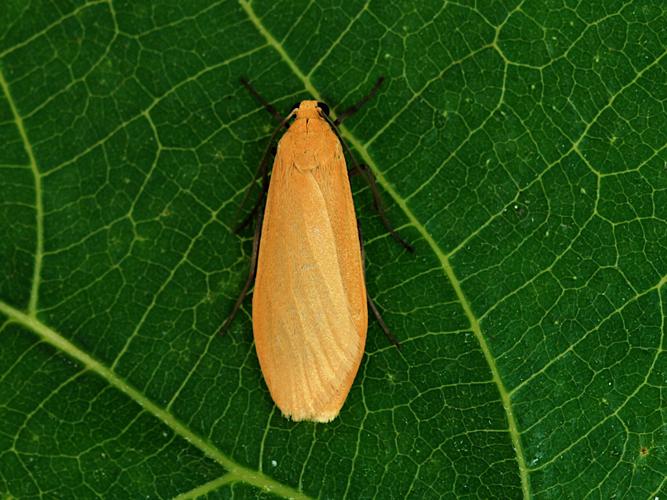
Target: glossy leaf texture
520, 145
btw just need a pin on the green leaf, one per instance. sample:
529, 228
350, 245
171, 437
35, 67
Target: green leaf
520, 145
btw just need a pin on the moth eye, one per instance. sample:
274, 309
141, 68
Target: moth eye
295, 106
323, 107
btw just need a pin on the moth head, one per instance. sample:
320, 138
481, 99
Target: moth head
308, 109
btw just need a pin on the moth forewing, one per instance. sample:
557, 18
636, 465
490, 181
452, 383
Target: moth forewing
309, 306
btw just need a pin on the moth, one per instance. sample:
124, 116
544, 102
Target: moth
310, 303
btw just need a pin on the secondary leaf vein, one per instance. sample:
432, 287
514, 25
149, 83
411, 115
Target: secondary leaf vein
442, 256
39, 209
241, 473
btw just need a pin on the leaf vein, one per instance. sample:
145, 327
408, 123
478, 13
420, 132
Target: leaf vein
57, 340
39, 208
440, 254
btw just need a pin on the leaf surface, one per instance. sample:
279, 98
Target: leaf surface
520, 145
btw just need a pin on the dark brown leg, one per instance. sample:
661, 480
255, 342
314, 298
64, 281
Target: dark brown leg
379, 206
387, 333
256, 212
260, 199
366, 173
267, 105
251, 275
262, 170
346, 113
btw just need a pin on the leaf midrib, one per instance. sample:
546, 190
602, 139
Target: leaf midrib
31, 321
442, 256
236, 471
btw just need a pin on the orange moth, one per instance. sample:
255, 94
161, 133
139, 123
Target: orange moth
309, 307
309, 312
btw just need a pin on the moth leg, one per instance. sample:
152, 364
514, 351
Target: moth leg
366, 173
267, 105
262, 170
251, 275
387, 333
379, 207
346, 113
368, 176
